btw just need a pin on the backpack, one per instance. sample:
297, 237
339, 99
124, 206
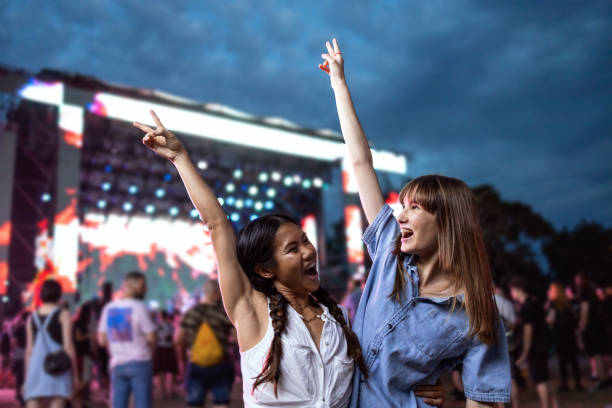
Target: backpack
206, 350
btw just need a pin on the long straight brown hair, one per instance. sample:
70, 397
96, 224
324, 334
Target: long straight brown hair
461, 249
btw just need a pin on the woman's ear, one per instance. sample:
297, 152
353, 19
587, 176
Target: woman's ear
264, 272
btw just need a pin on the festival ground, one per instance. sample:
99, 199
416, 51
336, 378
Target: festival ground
528, 399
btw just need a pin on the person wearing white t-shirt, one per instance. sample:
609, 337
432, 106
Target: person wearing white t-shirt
127, 331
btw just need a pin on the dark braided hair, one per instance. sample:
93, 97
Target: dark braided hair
256, 247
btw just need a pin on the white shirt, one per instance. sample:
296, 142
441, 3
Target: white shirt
126, 323
309, 378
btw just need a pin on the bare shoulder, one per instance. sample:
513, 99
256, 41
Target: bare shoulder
252, 323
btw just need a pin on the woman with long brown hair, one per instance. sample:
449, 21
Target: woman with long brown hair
296, 346
428, 303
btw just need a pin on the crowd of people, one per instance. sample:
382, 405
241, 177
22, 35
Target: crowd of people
428, 306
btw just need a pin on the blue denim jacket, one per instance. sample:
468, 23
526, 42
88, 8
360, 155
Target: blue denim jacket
414, 342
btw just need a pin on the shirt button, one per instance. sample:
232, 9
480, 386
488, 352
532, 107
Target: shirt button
374, 351
389, 326
327, 343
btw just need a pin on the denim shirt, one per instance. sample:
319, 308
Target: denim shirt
413, 342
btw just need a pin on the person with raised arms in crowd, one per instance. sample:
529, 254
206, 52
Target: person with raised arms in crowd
428, 303
296, 346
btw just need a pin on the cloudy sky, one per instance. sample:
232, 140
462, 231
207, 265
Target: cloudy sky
517, 94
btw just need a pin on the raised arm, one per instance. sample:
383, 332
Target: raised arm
359, 151
236, 289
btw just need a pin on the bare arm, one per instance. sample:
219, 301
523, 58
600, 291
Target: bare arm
477, 404
359, 151
527, 338
151, 340
102, 339
584, 316
236, 289
68, 343
29, 343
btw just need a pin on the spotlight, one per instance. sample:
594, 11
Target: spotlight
202, 165
297, 179
288, 181
221, 200
253, 190
46, 197
235, 217
263, 177
253, 217
248, 203
271, 192
230, 187
230, 200
276, 176
101, 204
258, 206
268, 205
317, 182
108, 168
167, 177
127, 206
160, 192
133, 189
239, 203
237, 173
173, 211
106, 186
149, 208
306, 183
194, 213
5, 299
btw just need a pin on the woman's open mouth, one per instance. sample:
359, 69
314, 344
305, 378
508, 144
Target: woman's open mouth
311, 272
407, 233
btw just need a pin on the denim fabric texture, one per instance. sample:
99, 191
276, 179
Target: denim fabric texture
218, 378
136, 377
413, 342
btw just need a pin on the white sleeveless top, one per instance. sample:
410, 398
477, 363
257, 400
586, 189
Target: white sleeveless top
309, 378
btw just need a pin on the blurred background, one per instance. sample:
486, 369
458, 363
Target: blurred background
511, 97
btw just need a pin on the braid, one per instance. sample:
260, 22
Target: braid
352, 342
278, 313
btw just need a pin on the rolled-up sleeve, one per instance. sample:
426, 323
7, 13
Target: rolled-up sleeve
486, 370
382, 232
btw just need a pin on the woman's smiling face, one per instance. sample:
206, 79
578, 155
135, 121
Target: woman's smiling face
419, 229
295, 260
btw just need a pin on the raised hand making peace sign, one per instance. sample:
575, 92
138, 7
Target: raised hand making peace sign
334, 64
161, 140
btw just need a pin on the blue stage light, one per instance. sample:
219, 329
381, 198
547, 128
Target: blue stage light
167, 177
106, 186
235, 217
133, 189
108, 168
149, 208
268, 205
173, 211
127, 206
45, 197
306, 183
248, 203
101, 204
230, 200
160, 192
194, 213
253, 217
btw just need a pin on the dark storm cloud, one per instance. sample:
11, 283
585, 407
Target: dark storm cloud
515, 94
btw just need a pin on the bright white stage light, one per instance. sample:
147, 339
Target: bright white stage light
150, 209
263, 177
235, 217
288, 181
317, 182
173, 211
101, 204
253, 190
271, 192
230, 187
237, 173
258, 206
276, 176
160, 193
202, 165
127, 207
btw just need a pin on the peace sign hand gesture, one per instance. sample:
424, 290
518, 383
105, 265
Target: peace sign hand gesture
334, 63
161, 140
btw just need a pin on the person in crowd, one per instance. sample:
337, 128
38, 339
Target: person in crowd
165, 367
297, 348
354, 290
591, 328
84, 336
101, 356
126, 329
6, 376
508, 316
428, 302
19, 347
564, 327
535, 342
49, 331
200, 378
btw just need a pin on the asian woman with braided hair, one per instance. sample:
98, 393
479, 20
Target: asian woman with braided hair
297, 349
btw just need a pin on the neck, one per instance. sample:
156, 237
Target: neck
431, 276
299, 301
